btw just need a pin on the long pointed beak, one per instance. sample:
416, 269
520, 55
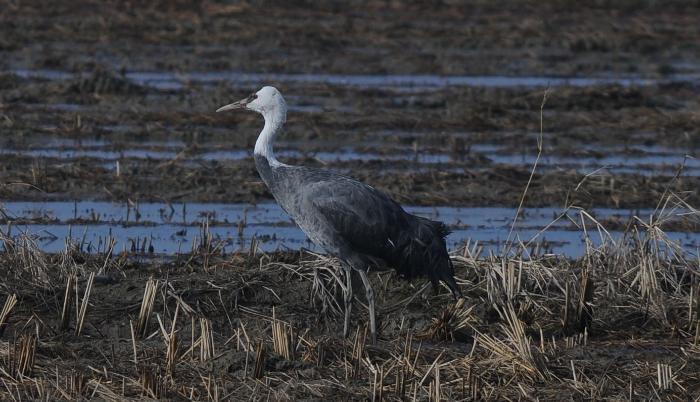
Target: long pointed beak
241, 104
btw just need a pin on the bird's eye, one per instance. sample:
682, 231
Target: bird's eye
253, 96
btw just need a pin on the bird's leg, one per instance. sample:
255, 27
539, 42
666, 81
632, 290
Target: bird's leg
348, 300
370, 303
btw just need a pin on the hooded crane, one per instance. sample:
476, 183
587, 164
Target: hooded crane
346, 218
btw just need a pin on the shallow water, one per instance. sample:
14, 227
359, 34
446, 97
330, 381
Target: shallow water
173, 81
653, 160
75, 107
174, 228
614, 163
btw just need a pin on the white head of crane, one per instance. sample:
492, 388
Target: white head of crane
270, 103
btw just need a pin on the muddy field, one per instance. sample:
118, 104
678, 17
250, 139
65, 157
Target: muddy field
620, 323
114, 162
94, 86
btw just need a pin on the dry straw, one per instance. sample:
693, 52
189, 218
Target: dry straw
71, 281
25, 352
6, 311
82, 311
282, 337
149, 297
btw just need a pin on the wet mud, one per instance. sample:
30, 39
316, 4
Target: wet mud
619, 120
114, 162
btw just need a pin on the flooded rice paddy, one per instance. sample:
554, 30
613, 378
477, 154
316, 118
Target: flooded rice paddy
405, 83
178, 228
639, 160
109, 143
455, 143
164, 147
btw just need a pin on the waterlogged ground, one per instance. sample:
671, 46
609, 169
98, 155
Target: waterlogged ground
472, 145
438, 106
461, 142
109, 141
179, 228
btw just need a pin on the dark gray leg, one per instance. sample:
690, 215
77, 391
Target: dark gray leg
370, 303
348, 299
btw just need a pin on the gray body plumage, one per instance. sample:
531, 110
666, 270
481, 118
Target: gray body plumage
359, 224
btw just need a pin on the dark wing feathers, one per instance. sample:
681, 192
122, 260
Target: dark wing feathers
371, 226
377, 227
364, 217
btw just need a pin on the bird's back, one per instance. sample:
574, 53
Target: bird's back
359, 224
339, 207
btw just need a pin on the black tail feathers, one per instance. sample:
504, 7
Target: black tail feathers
421, 251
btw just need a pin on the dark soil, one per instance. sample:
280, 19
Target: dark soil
101, 40
238, 298
607, 338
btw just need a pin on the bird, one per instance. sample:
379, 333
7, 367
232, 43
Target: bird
361, 226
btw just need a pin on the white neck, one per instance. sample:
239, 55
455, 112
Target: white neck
274, 120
